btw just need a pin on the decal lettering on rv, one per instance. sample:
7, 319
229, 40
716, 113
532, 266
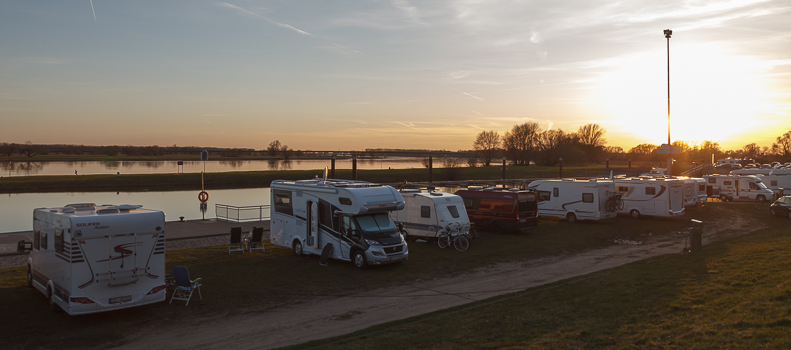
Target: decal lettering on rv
100, 227
86, 224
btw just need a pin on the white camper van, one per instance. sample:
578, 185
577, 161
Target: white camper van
428, 214
339, 219
776, 182
87, 258
575, 199
651, 196
735, 187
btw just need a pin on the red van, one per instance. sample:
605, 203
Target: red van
500, 209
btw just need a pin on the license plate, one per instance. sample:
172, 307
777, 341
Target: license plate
123, 299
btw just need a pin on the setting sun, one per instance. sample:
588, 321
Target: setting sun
714, 96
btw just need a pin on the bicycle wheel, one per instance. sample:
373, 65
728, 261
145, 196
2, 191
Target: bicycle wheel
443, 241
461, 243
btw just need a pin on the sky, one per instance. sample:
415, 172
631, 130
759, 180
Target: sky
350, 75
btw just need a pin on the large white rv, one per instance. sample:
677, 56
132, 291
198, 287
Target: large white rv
87, 258
776, 182
736, 187
575, 199
694, 190
651, 196
339, 219
428, 214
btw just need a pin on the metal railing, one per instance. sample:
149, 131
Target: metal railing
239, 214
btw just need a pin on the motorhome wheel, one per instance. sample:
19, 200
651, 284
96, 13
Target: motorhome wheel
635, 214
358, 259
760, 198
723, 198
571, 217
497, 227
297, 247
29, 277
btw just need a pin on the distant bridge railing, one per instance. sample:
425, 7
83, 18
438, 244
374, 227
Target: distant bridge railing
239, 214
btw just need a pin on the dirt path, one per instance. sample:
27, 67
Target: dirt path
330, 317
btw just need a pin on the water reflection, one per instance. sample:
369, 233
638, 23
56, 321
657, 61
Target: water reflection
22, 168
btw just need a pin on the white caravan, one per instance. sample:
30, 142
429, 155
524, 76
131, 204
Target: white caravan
575, 199
339, 219
651, 196
735, 187
762, 171
776, 182
694, 190
428, 214
87, 258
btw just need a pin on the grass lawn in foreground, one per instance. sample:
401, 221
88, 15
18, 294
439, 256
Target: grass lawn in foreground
239, 283
733, 294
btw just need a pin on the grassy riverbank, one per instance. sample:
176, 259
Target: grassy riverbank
732, 294
257, 179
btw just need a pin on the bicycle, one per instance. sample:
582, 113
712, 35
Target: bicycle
453, 236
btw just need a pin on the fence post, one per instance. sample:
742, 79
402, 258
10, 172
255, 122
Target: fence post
503, 168
354, 167
430, 169
560, 168
332, 166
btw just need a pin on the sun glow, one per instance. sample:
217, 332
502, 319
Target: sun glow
713, 95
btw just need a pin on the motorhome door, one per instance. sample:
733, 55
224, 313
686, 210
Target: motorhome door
312, 227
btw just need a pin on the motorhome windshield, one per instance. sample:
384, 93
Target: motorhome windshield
760, 185
375, 223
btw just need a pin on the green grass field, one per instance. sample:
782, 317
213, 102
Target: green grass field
730, 290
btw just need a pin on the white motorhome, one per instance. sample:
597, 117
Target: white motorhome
736, 187
339, 219
87, 258
428, 214
762, 171
651, 196
776, 182
573, 199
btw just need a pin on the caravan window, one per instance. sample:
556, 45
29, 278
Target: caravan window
773, 182
650, 190
543, 196
555, 192
283, 202
59, 240
727, 183
712, 180
453, 211
37, 240
425, 211
587, 198
702, 187
623, 188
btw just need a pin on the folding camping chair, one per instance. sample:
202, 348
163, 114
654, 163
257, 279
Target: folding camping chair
184, 285
256, 239
235, 240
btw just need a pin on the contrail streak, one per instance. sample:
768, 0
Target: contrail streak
94, 12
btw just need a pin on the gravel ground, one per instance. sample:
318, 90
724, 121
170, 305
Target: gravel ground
21, 260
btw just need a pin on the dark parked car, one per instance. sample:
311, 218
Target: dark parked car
781, 207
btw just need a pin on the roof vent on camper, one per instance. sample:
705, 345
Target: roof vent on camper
126, 207
474, 188
82, 206
108, 211
68, 210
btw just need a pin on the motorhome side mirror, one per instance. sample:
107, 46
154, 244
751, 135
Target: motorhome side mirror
337, 213
23, 246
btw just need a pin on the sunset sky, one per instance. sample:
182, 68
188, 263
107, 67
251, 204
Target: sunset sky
325, 75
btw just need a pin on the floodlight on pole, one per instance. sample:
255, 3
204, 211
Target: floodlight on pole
668, 33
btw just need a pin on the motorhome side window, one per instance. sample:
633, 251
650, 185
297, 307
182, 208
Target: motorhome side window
43, 240
543, 196
650, 190
59, 240
453, 211
773, 183
587, 197
555, 192
283, 202
349, 228
753, 186
425, 211
712, 180
37, 240
623, 189
325, 215
727, 183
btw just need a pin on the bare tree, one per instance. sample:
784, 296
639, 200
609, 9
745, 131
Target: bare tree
783, 145
28, 149
274, 148
487, 143
521, 141
591, 135
287, 152
751, 150
8, 148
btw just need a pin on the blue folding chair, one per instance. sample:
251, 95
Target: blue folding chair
184, 285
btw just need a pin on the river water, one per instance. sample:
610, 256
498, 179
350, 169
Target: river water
8, 168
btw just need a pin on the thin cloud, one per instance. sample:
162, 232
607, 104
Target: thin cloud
471, 95
282, 25
94, 12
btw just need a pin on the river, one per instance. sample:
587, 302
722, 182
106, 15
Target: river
15, 168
